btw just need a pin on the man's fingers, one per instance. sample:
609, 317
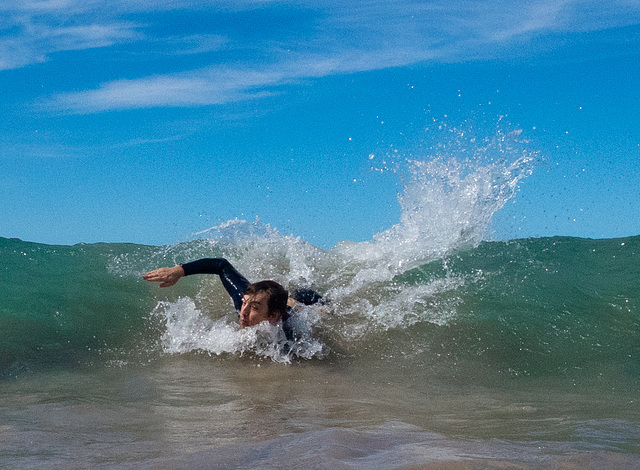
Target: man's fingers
156, 275
167, 276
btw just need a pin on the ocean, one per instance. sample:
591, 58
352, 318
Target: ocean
436, 347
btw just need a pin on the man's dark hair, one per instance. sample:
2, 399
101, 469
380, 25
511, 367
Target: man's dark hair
278, 296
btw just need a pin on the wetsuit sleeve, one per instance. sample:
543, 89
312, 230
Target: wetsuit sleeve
234, 282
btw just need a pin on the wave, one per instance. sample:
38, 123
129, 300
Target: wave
430, 291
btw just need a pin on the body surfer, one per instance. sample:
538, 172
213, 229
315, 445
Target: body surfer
254, 302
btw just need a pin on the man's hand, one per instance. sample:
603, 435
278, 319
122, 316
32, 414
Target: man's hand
166, 276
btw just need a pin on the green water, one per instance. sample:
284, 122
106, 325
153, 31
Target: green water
519, 354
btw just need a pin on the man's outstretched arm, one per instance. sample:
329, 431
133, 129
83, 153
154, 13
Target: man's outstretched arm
234, 282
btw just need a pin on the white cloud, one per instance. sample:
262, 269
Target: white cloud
31, 33
219, 85
342, 37
196, 44
187, 89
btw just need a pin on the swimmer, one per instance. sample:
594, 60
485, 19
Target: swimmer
255, 302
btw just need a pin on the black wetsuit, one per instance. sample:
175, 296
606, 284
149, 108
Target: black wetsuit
234, 282
236, 285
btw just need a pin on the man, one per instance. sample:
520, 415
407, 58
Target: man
257, 302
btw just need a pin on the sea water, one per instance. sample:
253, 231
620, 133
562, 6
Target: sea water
435, 347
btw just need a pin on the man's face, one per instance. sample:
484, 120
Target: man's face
255, 309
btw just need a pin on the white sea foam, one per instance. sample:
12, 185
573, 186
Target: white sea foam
187, 329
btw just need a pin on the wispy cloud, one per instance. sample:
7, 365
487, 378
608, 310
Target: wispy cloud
195, 44
186, 89
342, 37
219, 85
31, 31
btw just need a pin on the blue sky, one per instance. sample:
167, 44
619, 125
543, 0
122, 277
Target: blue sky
147, 121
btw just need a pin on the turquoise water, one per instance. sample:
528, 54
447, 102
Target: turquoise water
537, 307
521, 352
435, 347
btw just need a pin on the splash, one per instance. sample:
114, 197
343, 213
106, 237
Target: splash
187, 329
447, 204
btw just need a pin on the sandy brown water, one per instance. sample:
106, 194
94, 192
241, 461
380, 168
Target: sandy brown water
195, 411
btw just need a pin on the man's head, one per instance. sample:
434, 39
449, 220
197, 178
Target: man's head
264, 300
